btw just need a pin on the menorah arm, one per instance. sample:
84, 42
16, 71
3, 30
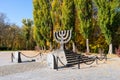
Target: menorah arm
67, 36
64, 33
62, 37
57, 38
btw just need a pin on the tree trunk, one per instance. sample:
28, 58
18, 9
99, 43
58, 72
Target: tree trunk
110, 49
87, 45
26, 44
50, 46
73, 45
44, 48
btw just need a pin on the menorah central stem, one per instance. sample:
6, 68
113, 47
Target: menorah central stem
61, 46
62, 43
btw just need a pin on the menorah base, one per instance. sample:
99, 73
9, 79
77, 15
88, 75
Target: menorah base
56, 58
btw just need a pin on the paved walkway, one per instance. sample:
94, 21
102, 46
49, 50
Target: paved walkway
39, 71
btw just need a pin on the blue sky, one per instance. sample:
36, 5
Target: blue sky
16, 10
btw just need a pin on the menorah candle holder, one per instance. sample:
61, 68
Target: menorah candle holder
62, 37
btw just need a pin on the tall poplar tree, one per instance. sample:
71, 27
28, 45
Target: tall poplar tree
68, 18
84, 12
56, 14
42, 21
106, 13
27, 28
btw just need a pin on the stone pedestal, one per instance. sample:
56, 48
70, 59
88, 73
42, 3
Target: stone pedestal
62, 58
16, 57
51, 61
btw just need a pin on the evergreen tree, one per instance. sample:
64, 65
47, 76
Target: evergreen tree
106, 13
42, 21
56, 14
68, 14
84, 12
68, 18
27, 27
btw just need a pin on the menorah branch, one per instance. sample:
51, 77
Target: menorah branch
62, 37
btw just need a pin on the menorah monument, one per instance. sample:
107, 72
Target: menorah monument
61, 37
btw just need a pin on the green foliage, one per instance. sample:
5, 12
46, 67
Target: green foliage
27, 31
11, 37
106, 13
53, 15
27, 25
99, 42
56, 14
68, 17
68, 14
84, 12
42, 21
116, 30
